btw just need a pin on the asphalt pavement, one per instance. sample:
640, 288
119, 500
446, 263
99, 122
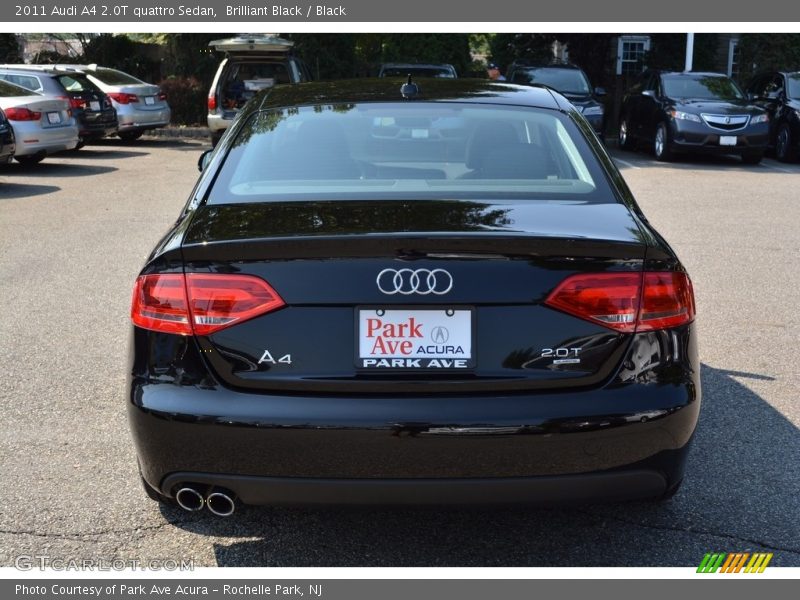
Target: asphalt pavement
74, 232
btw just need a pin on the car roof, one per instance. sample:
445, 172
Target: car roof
475, 91
537, 65
54, 70
689, 73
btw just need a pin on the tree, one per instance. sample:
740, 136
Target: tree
508, 47
668, 51
767, 51
9, 48
328, 55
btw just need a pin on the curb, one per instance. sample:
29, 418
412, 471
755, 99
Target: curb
180, 132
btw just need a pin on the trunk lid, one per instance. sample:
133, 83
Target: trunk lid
338, 265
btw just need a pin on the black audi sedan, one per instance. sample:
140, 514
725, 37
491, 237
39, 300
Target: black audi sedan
674, 113
779, 94
437, 293
570, 81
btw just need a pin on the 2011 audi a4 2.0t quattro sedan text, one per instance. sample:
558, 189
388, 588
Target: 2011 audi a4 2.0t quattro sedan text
439, 293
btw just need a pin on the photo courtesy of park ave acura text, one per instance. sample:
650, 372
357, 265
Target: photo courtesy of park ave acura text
430, 299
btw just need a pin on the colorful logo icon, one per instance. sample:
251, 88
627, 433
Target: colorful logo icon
734, 562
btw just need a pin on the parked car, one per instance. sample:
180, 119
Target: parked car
570, 81
674, 112
7, 140
417, 70
355, 308
140, 106
91, 107
41, 125
778, 92
251, 64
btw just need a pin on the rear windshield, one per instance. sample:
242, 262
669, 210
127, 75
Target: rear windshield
566, 81
793, 80
29, 82
9, 90
409, 151
113, 77
77, 83
704, 88
418, 71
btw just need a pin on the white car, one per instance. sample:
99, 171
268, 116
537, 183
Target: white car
41, 125
140, 106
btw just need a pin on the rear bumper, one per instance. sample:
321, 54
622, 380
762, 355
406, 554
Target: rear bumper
142, 120
626, 439
594, 487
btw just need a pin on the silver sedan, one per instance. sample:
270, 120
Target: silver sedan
42, 125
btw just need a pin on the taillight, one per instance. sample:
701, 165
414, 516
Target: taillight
123, 98
162, 96
212, 103
78, 103
199, 303
627, 302
22, 114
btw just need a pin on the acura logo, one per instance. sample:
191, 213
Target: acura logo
419, 281
727, 120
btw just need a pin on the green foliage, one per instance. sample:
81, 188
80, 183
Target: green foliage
668, 51
452, 48
766, 51
507, 47
121, 52
591, 51
328, 55
9, 48
187, 99
188, 55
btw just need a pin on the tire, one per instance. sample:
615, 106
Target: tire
784, 144
30, 159
130, 136
661, 147
624, 137
752, 158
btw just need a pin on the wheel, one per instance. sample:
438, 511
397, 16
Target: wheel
625, 141
661, 143
30, 159
130, 136
752, 158
215, 138
784, 144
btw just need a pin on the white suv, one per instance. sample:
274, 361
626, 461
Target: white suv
252, 63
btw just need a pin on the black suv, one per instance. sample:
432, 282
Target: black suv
91, 107
779, 94
568, 80
7, 141
692, 112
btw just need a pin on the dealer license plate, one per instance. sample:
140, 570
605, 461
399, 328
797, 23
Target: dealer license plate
149, 100
53, 118
727, 140
411, 338
94, 105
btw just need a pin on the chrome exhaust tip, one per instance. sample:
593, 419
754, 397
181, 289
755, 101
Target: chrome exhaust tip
221, 504
189, 499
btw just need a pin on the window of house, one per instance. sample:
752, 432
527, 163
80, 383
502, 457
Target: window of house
733, 58
631, 50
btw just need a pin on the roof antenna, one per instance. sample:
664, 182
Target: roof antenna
409, 89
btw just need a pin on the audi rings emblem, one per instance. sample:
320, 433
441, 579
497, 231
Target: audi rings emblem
410, 281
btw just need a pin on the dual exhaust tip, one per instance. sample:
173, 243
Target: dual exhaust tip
219, 502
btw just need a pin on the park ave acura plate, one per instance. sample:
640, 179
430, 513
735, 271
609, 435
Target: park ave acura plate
414, 338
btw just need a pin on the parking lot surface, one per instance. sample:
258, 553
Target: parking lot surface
74, 232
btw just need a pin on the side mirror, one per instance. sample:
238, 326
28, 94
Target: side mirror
649, 93
204, 159
599, 91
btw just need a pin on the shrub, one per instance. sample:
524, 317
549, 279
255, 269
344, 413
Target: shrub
187, 98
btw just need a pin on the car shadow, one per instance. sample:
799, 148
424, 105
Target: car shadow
741, 494
147, 143
9, 191
101, 152
58, 169
696, 162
